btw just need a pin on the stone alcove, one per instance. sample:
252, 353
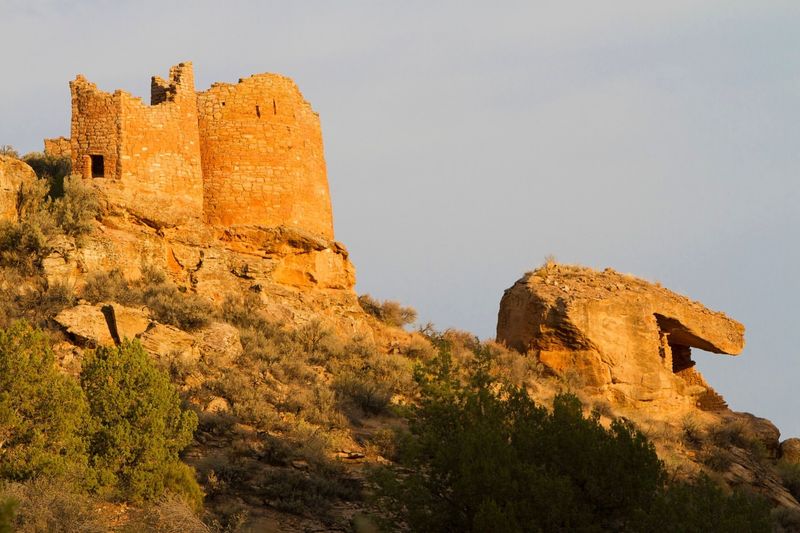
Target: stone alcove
676, 343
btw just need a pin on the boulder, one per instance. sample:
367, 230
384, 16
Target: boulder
13, 173
761, 430
790, 450
170, 344
618, 333
102, 324
219, 343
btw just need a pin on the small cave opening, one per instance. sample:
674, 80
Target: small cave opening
258, 111
676, 344
98, 166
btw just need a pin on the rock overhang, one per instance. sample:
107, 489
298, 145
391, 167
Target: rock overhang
620, 332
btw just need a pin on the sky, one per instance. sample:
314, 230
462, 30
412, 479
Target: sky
466, 141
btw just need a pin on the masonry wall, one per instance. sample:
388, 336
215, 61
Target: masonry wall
96, 122
160, 145
262, 156
58, 147
151, 153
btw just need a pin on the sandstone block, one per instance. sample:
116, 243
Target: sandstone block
104, 324
168, 343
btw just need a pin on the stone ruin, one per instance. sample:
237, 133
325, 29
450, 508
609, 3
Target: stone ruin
236, 154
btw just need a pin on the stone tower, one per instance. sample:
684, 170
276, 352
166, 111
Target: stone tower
237, 154
263, 161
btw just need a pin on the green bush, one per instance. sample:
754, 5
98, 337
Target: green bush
76, 208
186, 311
141, 426
702, 505
8, 507
388, 311
52, 169
482, 456
105, 286
790, 476
44, 419
24, 243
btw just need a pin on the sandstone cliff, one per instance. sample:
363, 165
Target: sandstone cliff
295, 273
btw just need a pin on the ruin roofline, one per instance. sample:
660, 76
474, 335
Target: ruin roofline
174, 79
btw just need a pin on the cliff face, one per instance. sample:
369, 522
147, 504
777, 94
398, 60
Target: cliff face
295, 273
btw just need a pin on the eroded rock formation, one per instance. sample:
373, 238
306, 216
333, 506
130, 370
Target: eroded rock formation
13, 173
627, 337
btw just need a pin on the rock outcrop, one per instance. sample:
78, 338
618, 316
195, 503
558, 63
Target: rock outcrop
295, 273
104, 324
626, 337
13, 173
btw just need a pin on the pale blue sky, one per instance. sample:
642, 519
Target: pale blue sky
468, 140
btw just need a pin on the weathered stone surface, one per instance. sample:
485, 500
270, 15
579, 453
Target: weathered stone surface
169, 343
97, 325
761, 430
219, 343
13, 173
86, 324
57, 147
629, 337
790, 450
218, 264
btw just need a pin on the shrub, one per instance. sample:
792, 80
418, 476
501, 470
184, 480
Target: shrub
44, 300
8, 151
76, 208
171, 306
785, 520
244, 311
52, 169
388, 311
8, 507
102, 286
45, 504
141, 426
296, 492
170, 514
370, 395
692, 432
477, 457
44, 418
484, 457
702, 505
24, 243
790, 476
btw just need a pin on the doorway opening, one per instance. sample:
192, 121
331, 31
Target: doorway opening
98, 166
